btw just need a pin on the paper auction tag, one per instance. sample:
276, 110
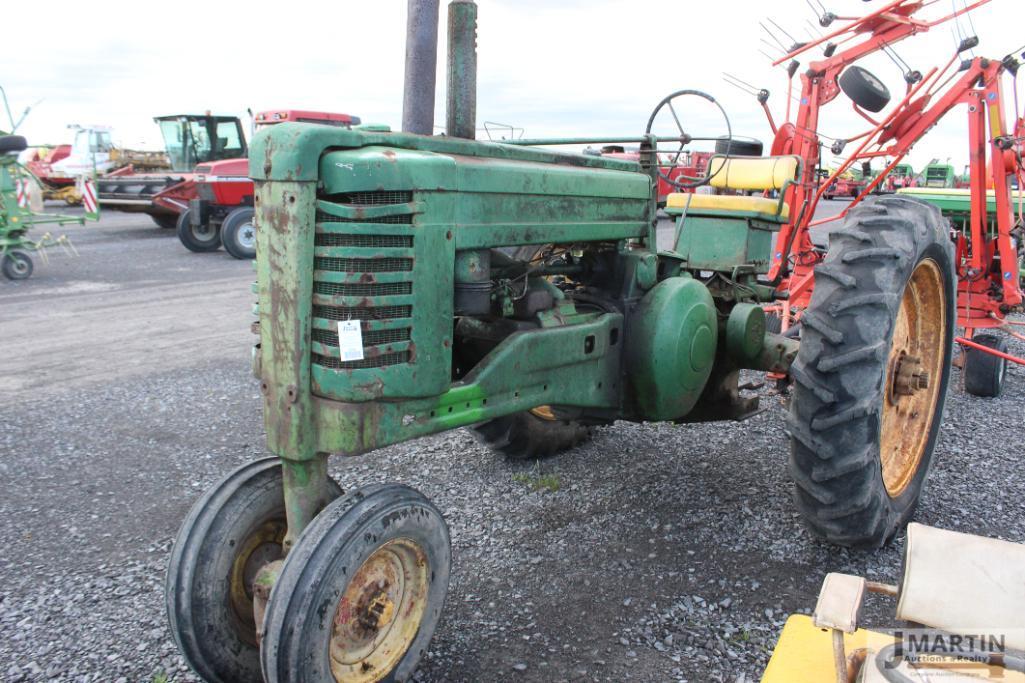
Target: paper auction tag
350, 340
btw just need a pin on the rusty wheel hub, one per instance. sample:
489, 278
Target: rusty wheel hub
379, 613
909, 377
544, 412
914, 369
260, 548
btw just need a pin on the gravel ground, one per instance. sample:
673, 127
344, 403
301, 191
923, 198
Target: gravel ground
667, 552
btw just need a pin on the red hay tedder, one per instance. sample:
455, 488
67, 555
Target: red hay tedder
988, 243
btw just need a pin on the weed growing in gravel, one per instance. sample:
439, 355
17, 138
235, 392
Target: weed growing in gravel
536, 480
160, 677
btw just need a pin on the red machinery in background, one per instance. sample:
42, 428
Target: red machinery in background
988, 247
220, 194
680, 167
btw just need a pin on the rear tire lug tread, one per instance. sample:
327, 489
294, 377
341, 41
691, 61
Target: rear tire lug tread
877, 250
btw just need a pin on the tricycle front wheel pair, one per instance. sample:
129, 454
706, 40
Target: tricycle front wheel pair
356, 599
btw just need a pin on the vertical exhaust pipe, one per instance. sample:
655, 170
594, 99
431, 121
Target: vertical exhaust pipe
461, 113
421, 67
472, 266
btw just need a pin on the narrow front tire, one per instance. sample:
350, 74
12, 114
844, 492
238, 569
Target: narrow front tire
361, 592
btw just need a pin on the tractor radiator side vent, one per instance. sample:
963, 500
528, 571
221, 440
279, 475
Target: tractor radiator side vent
363, 265
362, 313
377, 198
371, 338
367, 363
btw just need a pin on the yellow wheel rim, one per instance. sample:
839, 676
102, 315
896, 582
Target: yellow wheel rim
544, 412
259, 548
914, 370
380, 612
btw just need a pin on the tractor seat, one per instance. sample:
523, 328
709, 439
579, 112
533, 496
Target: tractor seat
707, 204
759, 174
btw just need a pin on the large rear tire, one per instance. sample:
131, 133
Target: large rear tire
532, 434
871, 375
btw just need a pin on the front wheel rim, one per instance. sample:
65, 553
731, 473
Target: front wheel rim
246, 236
203, 233
379, 614
913, 377
259, 548
19, 265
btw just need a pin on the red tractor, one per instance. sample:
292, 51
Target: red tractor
220, 203
189, 139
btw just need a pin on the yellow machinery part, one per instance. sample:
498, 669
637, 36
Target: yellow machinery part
804, 653
725, 202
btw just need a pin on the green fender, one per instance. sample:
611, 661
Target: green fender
671, 348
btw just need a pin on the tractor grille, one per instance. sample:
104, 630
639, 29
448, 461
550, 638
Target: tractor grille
395, 220
363, 265
339, 240
363, 270
365, 364
369, 338
375, 313
360, 289
379, 198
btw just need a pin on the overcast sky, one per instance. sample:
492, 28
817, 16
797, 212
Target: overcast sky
558, 67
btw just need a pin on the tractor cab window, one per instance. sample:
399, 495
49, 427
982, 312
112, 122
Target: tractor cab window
80, 146
100, 141
181, 143
229, 141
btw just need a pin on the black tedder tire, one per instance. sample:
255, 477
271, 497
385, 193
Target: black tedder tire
236, 526
864, 89
880, 325
17, 265
531, 434
12, 144
361, 592
199, 239
165, 220
238, 233
983, 372
738, 147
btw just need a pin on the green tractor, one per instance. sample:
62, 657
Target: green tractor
410, 284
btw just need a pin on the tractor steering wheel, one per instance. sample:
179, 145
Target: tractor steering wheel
687, 182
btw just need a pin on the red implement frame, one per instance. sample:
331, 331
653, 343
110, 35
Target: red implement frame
987, 260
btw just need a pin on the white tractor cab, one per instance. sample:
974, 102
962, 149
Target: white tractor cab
90, 151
